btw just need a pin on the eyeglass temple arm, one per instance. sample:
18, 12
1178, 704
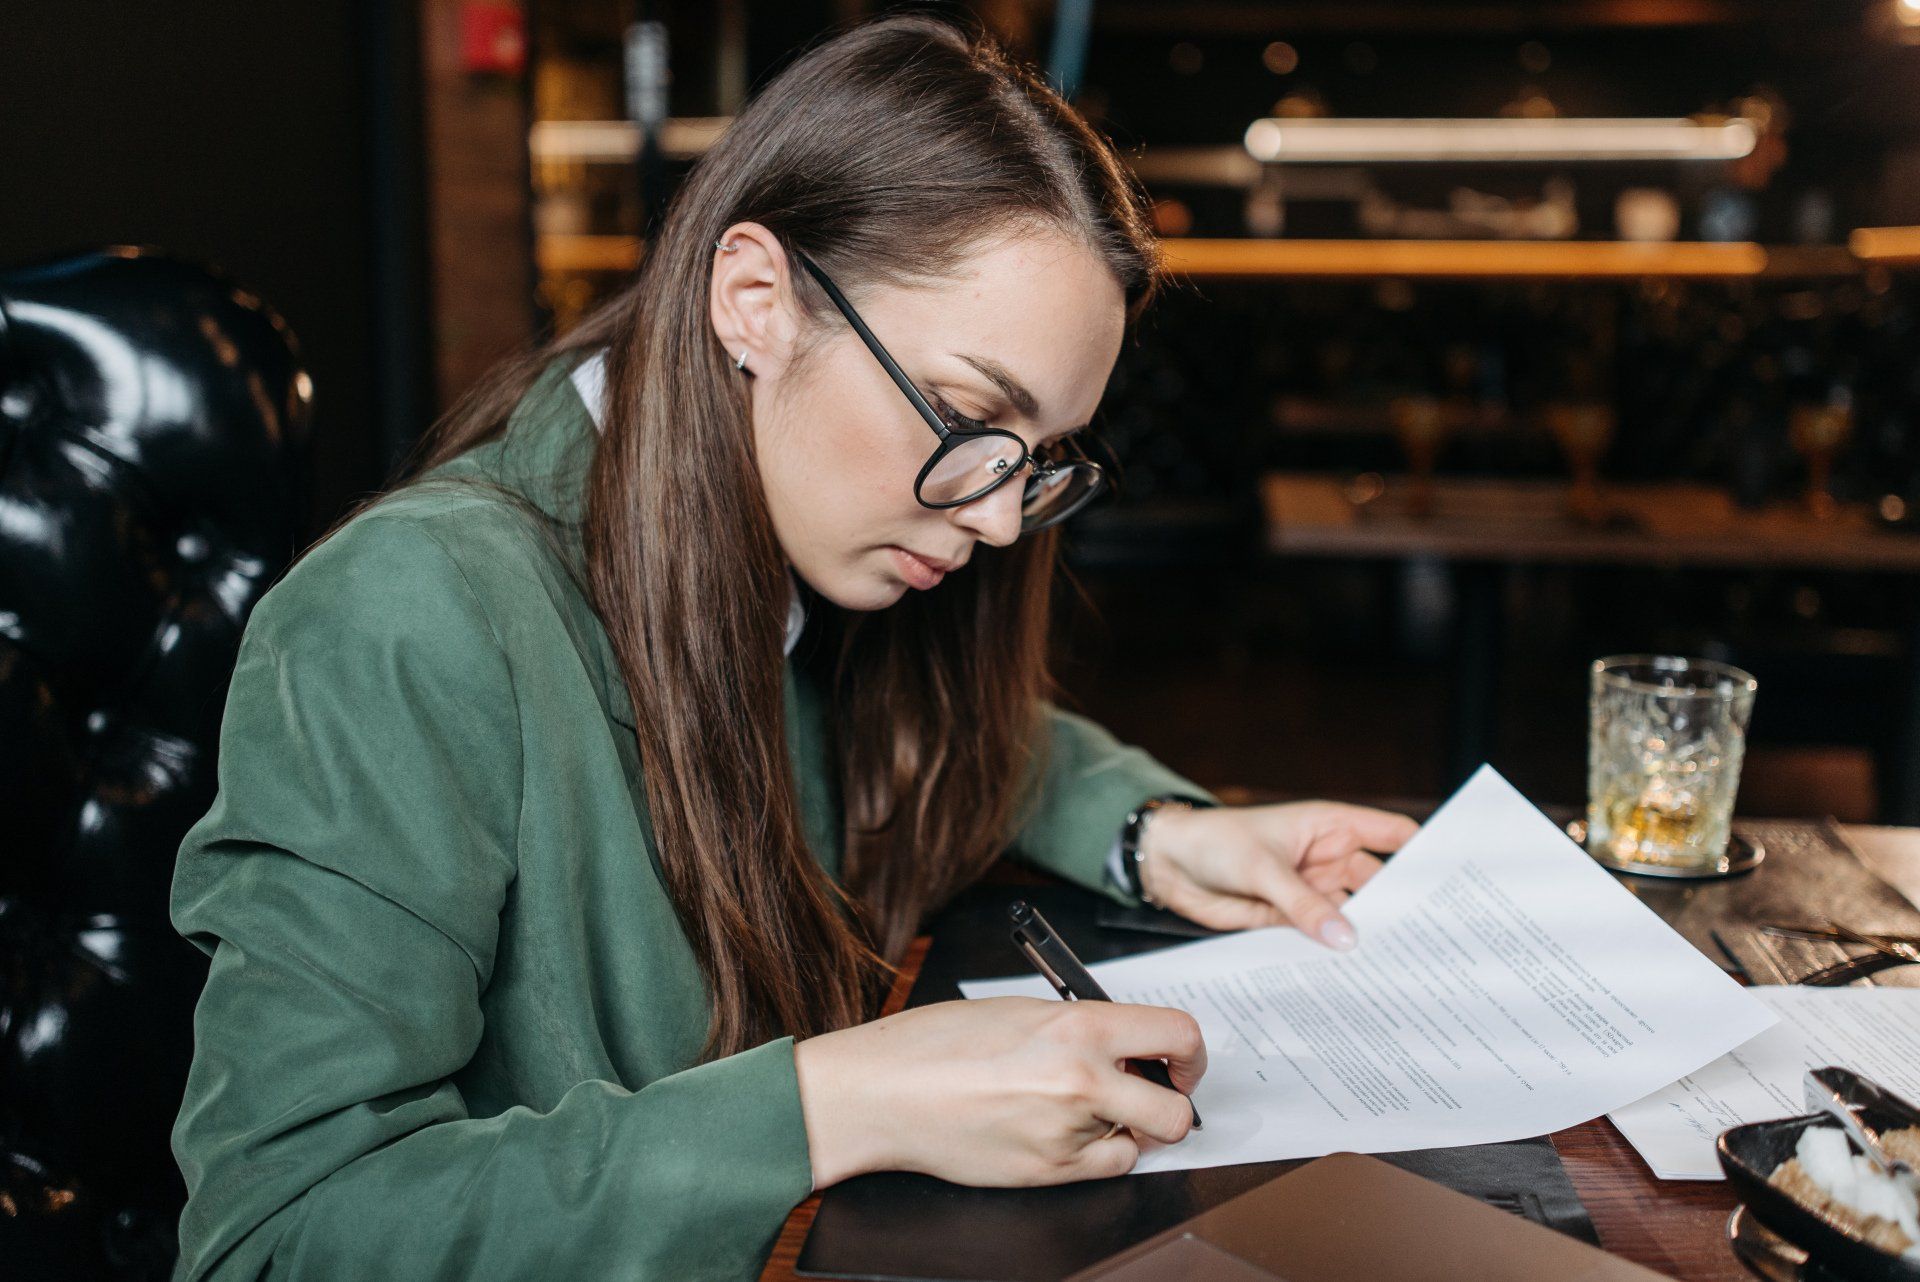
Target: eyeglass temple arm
880, 354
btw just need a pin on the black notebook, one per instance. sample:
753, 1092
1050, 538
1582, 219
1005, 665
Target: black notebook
900, 1226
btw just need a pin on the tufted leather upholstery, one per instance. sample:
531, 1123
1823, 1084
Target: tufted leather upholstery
152, 428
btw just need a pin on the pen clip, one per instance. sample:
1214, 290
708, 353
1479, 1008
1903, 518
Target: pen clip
1039, 963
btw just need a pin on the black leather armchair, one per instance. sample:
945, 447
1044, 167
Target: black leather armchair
153, 420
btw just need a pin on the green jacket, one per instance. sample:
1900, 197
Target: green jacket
451, 1026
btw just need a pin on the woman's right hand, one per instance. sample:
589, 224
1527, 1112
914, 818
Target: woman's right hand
998, 1092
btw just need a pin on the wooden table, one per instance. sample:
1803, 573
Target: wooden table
1524, 521
1675, 1227
793, 1234
1486, 527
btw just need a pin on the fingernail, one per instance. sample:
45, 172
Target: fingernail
1335, 933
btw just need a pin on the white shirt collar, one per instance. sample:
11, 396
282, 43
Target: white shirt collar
590, 380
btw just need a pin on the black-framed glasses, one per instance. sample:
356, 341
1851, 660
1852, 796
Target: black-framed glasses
969, 464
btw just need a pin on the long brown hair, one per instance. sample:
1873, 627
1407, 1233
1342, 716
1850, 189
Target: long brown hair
884, 154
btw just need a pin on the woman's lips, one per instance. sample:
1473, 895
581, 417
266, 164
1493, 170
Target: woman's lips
918, 573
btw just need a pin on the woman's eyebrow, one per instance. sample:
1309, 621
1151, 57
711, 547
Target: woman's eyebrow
1011, 387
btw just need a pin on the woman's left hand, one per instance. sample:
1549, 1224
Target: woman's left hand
1238, 867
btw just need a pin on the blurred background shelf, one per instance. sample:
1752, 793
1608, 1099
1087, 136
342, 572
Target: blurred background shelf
1700, 239
574, 252
1528, 521
1248, 259
1895, 246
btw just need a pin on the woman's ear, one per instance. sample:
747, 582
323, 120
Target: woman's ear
752, 305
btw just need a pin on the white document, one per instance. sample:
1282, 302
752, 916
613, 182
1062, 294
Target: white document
1504, 986
1873, 1031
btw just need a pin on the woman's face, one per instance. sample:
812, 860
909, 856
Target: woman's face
1021, 337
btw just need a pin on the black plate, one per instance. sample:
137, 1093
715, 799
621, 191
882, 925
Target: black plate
1749, 1154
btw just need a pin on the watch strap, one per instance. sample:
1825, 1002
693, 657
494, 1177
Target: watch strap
1134, 830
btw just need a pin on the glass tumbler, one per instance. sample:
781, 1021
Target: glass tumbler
1666, 739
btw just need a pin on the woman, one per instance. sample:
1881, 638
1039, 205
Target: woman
550, 889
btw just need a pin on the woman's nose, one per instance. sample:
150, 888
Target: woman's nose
994, 518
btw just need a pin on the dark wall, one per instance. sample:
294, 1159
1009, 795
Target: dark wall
276, 142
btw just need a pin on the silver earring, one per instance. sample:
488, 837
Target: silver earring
727, 247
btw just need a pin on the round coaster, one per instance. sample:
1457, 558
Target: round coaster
1741, 856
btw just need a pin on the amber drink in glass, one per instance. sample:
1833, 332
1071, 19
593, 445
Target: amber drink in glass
1667, 736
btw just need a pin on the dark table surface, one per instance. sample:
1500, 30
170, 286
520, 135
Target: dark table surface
1813, 869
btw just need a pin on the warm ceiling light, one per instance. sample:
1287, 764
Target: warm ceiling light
1352, 141
1908, 11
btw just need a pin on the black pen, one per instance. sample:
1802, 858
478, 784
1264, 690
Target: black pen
1049, 954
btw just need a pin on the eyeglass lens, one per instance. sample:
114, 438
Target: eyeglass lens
975, 466
1057, 493
970, 469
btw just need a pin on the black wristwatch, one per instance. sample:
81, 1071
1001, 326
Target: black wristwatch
1135, 828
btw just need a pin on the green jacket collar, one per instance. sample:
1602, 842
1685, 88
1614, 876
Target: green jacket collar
546, 451
545, 455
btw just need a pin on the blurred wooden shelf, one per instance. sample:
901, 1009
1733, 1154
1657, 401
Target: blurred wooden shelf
1353, 18
1223, 259
1525, 521
576, 253
1889, 246
1200, 258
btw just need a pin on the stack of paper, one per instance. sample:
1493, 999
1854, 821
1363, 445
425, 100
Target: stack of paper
1873, 1031
1504, 986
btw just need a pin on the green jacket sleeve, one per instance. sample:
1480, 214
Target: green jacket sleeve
1090, 781
347, 884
